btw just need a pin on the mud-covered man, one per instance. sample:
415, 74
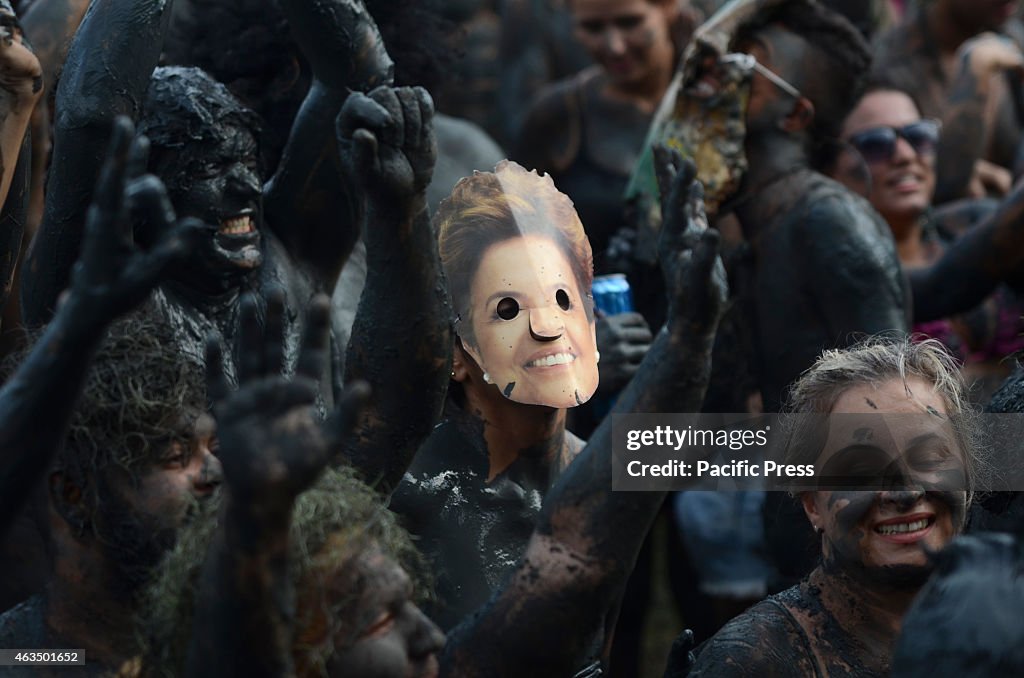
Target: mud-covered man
824, 264
136, 465
293, 233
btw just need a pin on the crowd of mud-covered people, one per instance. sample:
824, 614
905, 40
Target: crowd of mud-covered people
305, 371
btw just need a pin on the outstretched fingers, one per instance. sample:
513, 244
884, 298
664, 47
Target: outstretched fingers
274, 335
342, 421
109, 197
250, 341
315, 339
218, 387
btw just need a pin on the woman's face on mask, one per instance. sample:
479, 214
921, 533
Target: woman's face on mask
533, 336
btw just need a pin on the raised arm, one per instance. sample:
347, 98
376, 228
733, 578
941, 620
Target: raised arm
587, 538
272, 447
311, 208
402, 336
961, 170
111, 278
106, 74
987, 254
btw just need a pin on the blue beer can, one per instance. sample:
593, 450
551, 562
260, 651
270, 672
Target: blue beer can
612, 294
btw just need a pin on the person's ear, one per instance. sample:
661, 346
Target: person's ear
465, 362
460, 362
68, 498
800, 117
810, 505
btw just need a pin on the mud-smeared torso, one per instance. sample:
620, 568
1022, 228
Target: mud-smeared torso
825, 274
472, 532
788, 634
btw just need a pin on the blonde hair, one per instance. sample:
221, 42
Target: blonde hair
873, 361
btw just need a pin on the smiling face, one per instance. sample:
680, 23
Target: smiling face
901, 431
630, 39
216, 181
532, 335
901, 186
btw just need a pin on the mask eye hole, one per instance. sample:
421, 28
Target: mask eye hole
507, 309
562, 298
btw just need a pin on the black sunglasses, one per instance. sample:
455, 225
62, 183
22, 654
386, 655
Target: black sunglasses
878, 144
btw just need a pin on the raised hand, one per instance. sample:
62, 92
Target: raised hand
341, 42
112, 275
386, 140
687, 249
681, 658
623, 340
272, 446
990, 53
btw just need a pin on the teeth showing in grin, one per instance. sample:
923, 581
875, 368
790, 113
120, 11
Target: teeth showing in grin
557, 359
237, 225
899, 528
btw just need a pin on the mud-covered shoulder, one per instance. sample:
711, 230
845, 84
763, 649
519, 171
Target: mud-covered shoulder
762, 642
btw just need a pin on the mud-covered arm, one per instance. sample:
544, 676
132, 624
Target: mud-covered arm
587, 538
272, 447
106, 74
402, 335
990, 253
960, 168
850, 269
111, 278
309, 204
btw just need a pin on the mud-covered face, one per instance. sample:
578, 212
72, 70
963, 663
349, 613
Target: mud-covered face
140, 512
216, 180
393, 638
901, 435
533, 335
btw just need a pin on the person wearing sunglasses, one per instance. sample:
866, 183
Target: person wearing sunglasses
948, 55
891, 153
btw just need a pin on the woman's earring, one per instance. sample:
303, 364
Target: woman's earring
597, 356
487, 378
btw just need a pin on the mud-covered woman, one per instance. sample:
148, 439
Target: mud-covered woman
542, 620
897, 421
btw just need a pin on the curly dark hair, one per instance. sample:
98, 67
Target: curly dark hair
834, 77
141, 394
